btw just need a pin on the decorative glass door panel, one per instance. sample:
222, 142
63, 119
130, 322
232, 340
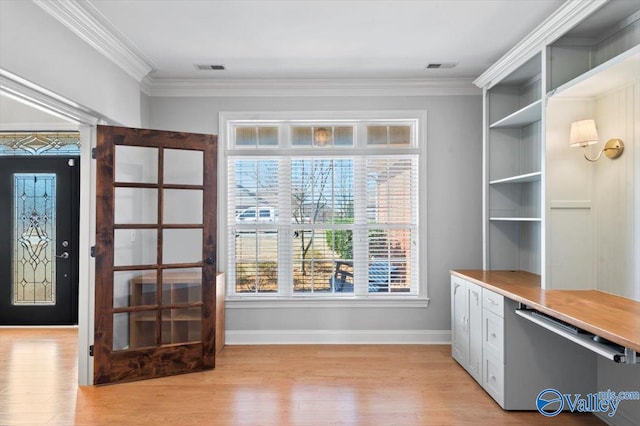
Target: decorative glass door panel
39, 224
34, 221
155, 251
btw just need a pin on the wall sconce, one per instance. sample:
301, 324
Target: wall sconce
321, 136
584, 133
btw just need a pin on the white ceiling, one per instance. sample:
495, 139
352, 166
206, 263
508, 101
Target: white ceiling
342, 39
322, 39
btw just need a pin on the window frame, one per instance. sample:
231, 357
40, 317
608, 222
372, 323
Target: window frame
359, 120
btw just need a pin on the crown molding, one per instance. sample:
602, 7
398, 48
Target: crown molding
309, 87
84, 20
145, 85
562, 20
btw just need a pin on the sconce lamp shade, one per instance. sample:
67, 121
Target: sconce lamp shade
583, 133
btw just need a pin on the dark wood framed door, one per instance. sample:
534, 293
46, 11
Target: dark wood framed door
155, 254
39, 206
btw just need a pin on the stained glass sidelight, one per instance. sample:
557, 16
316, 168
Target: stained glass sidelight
34, 219
39, 143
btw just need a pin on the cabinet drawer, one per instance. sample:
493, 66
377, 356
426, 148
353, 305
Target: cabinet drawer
493, 334
493, 302
493, 378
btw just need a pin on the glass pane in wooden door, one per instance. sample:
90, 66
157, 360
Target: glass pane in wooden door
134, 288
181, 286
182, 206
136, 164
183, 167
134, 330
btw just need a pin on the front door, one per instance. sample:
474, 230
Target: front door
155, 254
39, 205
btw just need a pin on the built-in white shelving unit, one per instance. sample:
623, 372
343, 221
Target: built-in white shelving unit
513, 153
527, 177
515, 219
594, 73
547, 210
523, 117
604, 36
612, 74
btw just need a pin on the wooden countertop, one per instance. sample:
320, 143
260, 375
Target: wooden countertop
613, 317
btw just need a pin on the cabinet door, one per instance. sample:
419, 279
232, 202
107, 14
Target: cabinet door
474, 296
459, 318
493, 334
493, 378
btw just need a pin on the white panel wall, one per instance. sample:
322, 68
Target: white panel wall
613, 186
591, 207
34, 46
570, 227
454, 194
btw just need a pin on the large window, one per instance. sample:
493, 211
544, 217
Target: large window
325, 208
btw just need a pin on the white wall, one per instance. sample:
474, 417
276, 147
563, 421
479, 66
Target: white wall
144, 111
36, 47
569, 191
454, 192
15, 115
591, 207
613, 183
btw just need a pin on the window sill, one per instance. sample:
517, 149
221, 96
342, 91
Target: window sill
315, 302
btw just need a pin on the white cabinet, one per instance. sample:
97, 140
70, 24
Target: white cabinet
493, 378
466, 325
459, 314
493, 333
493, 345
512, 358
477, 334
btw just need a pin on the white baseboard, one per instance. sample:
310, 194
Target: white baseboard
620, 418
308, 337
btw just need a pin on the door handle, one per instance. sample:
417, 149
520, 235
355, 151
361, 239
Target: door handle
64, 255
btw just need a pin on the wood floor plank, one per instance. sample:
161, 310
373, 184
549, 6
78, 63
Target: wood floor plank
251, 385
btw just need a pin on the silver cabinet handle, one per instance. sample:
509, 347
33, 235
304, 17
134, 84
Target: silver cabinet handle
64, 255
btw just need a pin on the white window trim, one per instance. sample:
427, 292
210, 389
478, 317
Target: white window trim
226, 119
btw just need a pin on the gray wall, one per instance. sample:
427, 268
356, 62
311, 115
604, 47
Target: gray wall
144, 111
34, 46
454, 196
618, 378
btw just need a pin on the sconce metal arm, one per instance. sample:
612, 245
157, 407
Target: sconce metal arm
612, 149
593, 160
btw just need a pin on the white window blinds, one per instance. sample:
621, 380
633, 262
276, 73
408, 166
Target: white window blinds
328, 210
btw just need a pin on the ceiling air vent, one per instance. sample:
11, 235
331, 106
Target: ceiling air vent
441, 65
210, 67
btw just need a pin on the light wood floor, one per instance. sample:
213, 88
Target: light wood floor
253, 385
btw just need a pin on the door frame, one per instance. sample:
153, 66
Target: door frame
84, 120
